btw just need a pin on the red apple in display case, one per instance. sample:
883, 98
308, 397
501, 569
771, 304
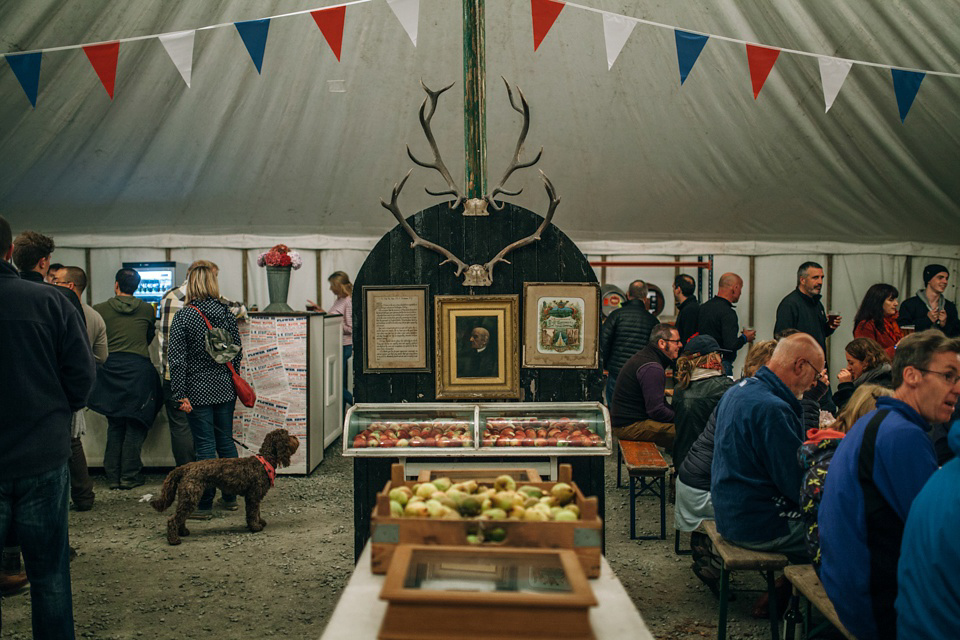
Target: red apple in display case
403, 434
416, 441
430, 441
373, 442
415, 432
403, 442
359, 442
488, 442
539, 442
552, 441
388, 442
527, 442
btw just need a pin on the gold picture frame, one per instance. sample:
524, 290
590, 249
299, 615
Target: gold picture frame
476, 346
561, 325
396, 329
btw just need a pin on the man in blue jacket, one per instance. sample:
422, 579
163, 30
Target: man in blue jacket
877, 471
929, 571
755, 483
47, 366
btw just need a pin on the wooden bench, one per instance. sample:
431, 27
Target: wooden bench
734, 558
807, 585
648, 472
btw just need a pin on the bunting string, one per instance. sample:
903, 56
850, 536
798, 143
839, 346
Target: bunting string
617, 30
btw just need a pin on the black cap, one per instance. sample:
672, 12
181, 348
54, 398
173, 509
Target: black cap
931, 270
701, 345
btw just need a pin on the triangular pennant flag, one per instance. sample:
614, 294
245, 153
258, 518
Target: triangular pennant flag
103, 57
26, 66
179, 47
545, 13
254, 35
689, 46
408, 13
616, 31
906, 84
833, 72
760, 61
330, 22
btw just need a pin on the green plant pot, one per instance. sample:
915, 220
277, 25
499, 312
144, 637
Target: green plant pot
278, 284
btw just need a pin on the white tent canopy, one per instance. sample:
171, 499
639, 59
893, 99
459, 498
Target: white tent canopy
309, 146
646, 168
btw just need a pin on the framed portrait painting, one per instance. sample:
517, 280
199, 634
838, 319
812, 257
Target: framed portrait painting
476, 346
561, 325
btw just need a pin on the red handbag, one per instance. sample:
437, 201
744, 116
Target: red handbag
245, 393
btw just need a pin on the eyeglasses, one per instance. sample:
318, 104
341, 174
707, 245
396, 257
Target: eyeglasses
678, 341
809, 364
950, 376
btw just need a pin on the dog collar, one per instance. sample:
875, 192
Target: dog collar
271, 472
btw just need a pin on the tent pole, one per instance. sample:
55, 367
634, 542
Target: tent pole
246, 277
474, 98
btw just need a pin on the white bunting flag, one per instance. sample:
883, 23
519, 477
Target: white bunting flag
408, 13
179, 47
616, 31
832, 74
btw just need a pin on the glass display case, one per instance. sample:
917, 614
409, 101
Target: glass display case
461, 429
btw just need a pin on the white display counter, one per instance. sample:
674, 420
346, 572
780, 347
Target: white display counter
360, 610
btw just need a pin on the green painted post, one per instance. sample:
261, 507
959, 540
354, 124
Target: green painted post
474, 98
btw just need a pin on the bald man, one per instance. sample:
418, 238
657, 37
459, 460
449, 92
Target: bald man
718, 319
755, 483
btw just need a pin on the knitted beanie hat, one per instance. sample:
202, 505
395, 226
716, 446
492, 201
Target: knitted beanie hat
931, 270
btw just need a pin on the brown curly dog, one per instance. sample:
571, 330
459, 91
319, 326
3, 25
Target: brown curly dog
247, 477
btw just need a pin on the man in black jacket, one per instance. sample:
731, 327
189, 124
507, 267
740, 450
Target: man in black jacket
626, 331
688, 307
802, 310
718, 319
31, 255
46, 364
930, 309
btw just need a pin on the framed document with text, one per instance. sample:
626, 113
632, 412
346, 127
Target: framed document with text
396, 327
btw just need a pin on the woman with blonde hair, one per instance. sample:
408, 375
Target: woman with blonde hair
200, 380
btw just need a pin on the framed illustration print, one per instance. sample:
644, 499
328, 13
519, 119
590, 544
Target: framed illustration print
395, 329
561, 323
476, 347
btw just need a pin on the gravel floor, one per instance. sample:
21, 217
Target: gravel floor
224, 582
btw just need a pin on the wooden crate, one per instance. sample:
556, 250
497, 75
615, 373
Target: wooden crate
482, 476
583, 536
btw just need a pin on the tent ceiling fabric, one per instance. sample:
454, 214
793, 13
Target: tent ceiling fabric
308, 147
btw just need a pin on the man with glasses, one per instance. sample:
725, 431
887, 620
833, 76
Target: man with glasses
81, 486
755, 478
639, 410
877, 471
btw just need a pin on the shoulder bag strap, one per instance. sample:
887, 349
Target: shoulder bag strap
884, 533
210, 326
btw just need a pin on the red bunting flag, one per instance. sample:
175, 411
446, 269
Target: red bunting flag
760, 60
103, 57
330, 22
545, 13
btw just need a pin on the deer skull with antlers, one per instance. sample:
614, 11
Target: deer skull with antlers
474, 275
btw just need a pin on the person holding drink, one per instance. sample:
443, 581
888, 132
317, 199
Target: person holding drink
877, 317
930, 309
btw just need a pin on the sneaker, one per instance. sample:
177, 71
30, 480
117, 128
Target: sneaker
11, 583
229, 505
201, 514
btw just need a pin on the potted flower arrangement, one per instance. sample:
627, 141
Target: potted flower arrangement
278, 261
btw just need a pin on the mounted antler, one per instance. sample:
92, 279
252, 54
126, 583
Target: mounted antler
515, 163
425, 118
417, 240
533, 237
474, 275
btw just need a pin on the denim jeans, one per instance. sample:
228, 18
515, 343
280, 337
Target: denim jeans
181, 437
121, 456
347, 396
212, 427
36, 507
